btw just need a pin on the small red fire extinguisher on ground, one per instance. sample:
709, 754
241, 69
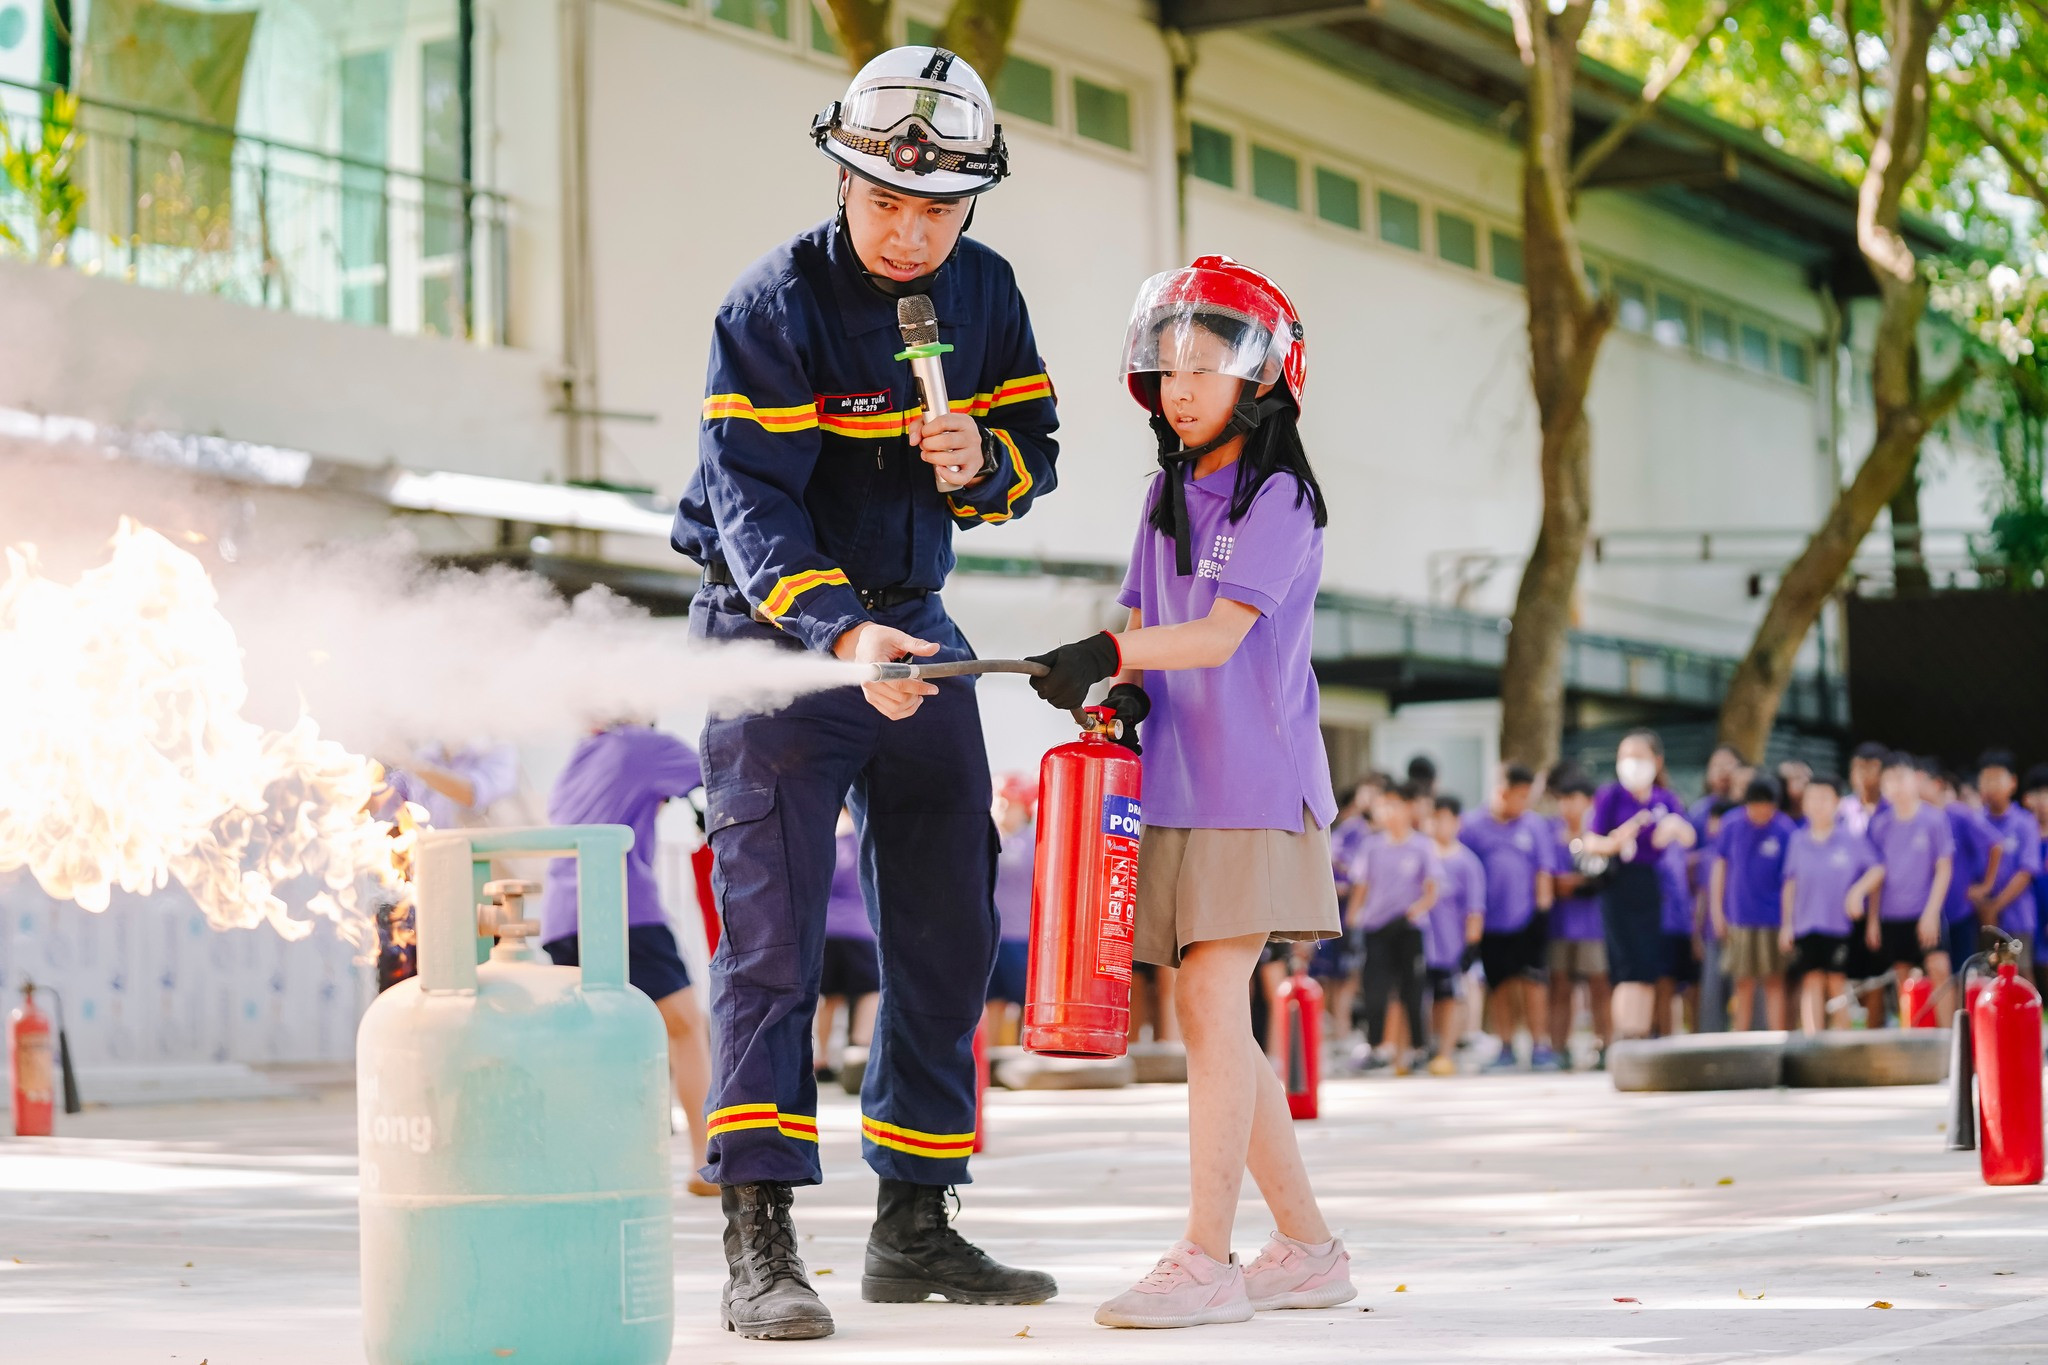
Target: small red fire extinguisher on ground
2005, 1029
1298, 1052
34, 1067
1916, 1000
1084, 895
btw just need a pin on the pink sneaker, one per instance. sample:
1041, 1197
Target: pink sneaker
1186, 1289
1291, 1274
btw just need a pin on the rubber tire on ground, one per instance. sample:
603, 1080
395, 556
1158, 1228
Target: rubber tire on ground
1159, 1063
1916, 1056
1029, 1072
1699, 1061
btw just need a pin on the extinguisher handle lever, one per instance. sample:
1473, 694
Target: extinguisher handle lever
952, 668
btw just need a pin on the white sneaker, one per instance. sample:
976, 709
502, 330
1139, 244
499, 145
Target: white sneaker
1188, 1288
1291, 1274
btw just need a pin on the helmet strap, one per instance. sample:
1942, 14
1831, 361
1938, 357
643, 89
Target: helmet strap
1179, 461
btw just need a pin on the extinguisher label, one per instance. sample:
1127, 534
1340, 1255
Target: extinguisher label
1121, 823
34, 1076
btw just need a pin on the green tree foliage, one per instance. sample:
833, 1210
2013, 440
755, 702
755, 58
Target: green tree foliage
37, 172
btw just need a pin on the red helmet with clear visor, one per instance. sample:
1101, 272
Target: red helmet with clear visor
1216, 315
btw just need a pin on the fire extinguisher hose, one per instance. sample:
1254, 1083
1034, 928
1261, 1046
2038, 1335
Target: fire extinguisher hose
957, 668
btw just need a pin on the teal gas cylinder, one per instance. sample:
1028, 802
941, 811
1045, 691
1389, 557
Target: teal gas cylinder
513, 1126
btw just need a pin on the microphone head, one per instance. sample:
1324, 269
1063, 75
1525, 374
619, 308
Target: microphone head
917, 320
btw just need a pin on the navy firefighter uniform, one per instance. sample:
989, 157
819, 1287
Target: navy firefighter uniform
811, 513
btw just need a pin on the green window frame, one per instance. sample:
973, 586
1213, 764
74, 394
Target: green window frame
1717, 335
1400, 220
762, 16
1632, 301
1673, 326
1337, 199
918, 33
1756, 348
1276, 177
1026, 89
823, 40
1102, 113
1792, 362
1506, 250
1212, 155
1457, 239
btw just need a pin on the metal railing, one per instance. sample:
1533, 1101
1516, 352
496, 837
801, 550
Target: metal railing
173, 203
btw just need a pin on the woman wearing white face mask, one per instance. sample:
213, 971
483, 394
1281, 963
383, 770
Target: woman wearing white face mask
1633, 820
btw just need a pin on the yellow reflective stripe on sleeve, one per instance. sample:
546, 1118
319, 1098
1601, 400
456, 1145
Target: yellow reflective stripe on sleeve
1019, 486
937, 1145
1018, 391
785, 592
800, 418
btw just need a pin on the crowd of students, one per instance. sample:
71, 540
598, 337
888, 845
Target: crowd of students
1772, 899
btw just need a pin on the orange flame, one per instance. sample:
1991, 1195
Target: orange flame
125, 761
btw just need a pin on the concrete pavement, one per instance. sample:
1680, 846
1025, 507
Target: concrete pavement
1492, 1219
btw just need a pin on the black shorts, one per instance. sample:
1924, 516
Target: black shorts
852, 968
1901, 944
1520, 953
1013, 959
1681, 963
1825, 953
1443, 983
1863, 961
653, 964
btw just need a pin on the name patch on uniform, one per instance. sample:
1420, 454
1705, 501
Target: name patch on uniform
1121, 816
852, 404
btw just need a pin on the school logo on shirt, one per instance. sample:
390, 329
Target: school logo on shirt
1524, 842
1219, 555
1840, 857
1768, 848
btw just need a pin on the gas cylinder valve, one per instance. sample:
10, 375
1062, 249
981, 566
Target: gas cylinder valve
503, 917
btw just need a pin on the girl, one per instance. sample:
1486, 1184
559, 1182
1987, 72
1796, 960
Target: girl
1636, 818
1236, 844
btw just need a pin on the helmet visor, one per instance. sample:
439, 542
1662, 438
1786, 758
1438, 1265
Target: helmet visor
950, 115
1207, 322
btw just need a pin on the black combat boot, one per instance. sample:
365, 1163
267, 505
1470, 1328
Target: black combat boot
914, 1253
768, 1294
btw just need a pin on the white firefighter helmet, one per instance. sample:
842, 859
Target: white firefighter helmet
918, 120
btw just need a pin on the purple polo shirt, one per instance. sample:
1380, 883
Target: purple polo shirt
1909, 849
2019, 842
618, 776
1614, 804
1676, 870
1014, 866
1345, 841
1974, 839
1573, 919
1512, 852
1752, 895
1394, 875
1236, 746
1461, 892
1820, 872
846, 912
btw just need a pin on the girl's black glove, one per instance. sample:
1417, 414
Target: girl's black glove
1075, 669
1131, 705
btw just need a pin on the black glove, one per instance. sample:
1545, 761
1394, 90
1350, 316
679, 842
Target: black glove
1075, 669
1131, 705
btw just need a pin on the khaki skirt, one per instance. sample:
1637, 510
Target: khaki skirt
1195, 885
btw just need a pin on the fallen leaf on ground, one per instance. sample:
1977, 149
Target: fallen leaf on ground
2004, 1272
1725, 1180
1400, 1289
188, 1265
826, 1271
1365, 1310
1923, 1274
1745, 1294
1627, 1300
1025, 1333
1879, 1303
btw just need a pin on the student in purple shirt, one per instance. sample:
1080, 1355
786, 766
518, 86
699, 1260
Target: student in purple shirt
1456, 923
621, 775
1394, 883
1517, 849
851, 974
1335, 961
1578, 945
1635, 818
1865, 795
1746, 899
1830, 874
1975, 871
2008, 902
1236, 846
1917, 848
2034, 796
1016, 801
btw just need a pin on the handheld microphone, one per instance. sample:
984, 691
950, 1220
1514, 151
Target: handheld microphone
919, 323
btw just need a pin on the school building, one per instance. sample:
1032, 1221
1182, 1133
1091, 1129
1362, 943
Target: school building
452, 262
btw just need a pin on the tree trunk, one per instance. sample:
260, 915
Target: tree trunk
863, 29
979, 30
1910, 577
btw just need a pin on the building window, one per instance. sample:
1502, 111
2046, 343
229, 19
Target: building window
365, 225
1337, 199
763, 16
1792, 360
1212, 155
1102, 114
1756, 347
1717, 335
1507, 256
1634, 303
1400, 220
1276, 177
1025, 89
823, 39
916, 32
1674, 320
1457, 240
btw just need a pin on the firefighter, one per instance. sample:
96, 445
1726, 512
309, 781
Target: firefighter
822, 511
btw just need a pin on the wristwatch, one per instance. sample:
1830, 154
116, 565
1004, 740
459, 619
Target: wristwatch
991, 457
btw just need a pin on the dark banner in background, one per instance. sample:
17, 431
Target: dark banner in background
1951, 674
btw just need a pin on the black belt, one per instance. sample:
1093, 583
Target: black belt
719, 574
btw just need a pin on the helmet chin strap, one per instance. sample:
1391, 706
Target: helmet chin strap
890, 288
1179, 461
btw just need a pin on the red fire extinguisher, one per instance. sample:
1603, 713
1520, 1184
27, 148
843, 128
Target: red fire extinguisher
1299, 1051
2005, 1027
1914, 998
1084, 895
31, 1067
980, 1080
